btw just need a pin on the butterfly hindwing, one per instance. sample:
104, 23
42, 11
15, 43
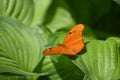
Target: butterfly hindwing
58, 50
73, 34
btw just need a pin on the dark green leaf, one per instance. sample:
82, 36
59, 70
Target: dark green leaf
88, 11
66, 69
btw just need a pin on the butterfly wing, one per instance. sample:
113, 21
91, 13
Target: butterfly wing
73, 39
73, 34
71, 45
58, 50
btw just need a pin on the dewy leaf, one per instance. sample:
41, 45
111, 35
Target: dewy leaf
20, 48
19, 9
101, 61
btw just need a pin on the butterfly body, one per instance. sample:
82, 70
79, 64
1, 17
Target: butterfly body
71, 45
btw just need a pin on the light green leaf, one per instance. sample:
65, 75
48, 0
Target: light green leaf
101, 61
47, 66
86, 78
18, 9
58, 16
43, 33
11, 77
40, 8
20, 47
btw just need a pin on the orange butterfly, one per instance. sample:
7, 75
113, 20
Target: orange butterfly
72, 44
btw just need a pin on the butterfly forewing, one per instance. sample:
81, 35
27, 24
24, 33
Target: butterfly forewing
73, 34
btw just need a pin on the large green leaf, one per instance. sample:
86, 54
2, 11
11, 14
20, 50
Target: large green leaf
40, 8
58, 16
20, 47
30, 12
101, 60
19, 9
60, 67
66, 69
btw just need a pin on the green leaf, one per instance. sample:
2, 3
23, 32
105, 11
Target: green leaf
43, 33
22, 10
58, 16
40, 8
47, 66
9, 77
20, 47
65, 68
56, 38
101, 60
88, 34
60, 67
117, 1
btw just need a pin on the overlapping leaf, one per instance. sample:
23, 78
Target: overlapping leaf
66, 69
20, 47
40, 8
22, 10
47, 66
58, 16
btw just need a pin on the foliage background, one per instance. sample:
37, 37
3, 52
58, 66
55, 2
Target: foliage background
27, 27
